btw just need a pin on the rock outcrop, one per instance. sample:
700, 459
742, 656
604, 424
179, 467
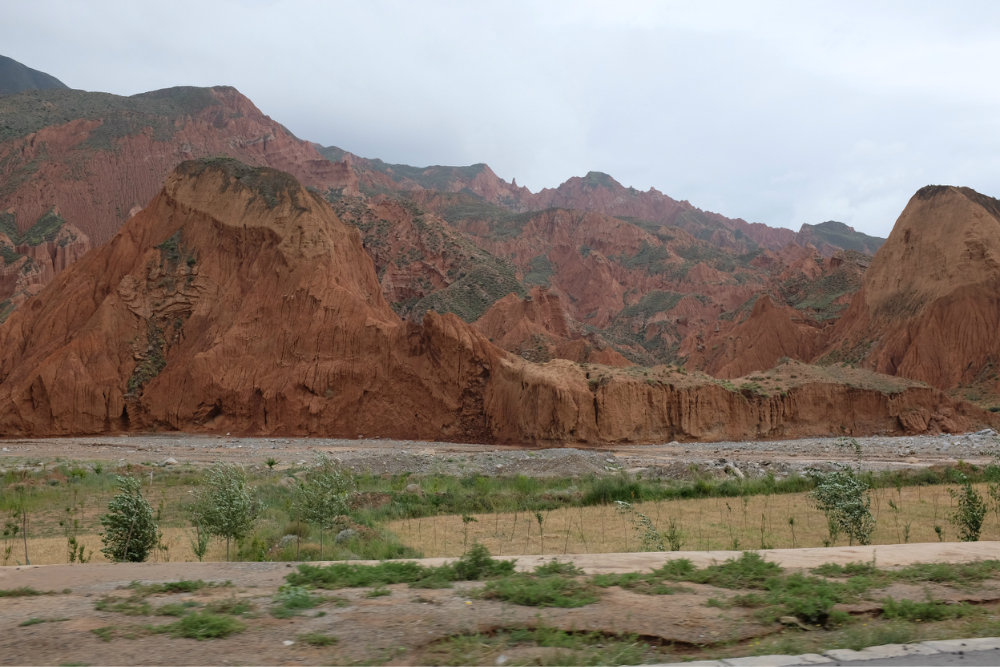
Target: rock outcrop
536, 328
237, 301
766, 336
929, 307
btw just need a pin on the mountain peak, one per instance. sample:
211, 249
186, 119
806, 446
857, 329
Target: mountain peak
15, 77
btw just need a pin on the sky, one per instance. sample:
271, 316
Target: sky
777, 112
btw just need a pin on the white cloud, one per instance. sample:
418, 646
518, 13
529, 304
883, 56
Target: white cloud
778, 112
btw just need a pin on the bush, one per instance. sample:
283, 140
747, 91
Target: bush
971, 511
324, 496
130, 531
477, 564
224, 507
843, 496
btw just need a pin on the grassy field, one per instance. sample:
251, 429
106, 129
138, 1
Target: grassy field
750, 522
444, 515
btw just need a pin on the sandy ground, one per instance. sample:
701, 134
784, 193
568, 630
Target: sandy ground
398, 628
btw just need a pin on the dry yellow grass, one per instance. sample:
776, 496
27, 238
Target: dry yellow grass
53, 550
707, 524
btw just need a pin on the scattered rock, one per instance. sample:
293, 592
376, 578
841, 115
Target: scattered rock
733, 470
792, 620
170, 462
287, 482
414, 489
345, 535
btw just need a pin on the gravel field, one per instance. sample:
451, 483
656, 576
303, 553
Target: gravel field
671, 460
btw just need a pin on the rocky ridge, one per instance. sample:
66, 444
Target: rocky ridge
237, 300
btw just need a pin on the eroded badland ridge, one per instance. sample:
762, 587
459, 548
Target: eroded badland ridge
590, 312
237, 300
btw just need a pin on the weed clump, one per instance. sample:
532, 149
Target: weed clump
540, 591
475, 565
931, 610
204, 625
317, 639
21, 592
291, 600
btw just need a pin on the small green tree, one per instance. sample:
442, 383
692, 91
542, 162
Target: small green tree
130, 530
224, 506
971, 512
199, 544
323, 496
843, 496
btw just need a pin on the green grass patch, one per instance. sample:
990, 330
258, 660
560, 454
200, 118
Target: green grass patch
106, 633
637, 582
317, 639
134, 605
204, 625
232, 606
574, 648
930, 610
475, 565
36, 621
171, 587
291, 600
22, 592
176, 608
540, 591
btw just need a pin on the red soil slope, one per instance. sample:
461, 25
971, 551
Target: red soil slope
929, 308
536, 329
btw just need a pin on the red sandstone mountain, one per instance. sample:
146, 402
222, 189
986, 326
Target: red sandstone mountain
536, 329
96, 157
759, 342
238, 301
929, 308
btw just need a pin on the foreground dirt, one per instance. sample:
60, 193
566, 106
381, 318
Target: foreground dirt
399, 628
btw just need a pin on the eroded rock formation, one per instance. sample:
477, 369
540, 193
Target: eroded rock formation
238, 301
929, 307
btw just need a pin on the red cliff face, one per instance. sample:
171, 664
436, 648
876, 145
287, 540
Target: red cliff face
759, 342
929, 307
237, 301
536, 329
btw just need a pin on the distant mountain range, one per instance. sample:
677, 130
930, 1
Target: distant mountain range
641, 278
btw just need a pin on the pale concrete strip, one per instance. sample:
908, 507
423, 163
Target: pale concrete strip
956, 645
778, 660
884, 651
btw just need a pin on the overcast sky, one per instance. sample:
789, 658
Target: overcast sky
782, 113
